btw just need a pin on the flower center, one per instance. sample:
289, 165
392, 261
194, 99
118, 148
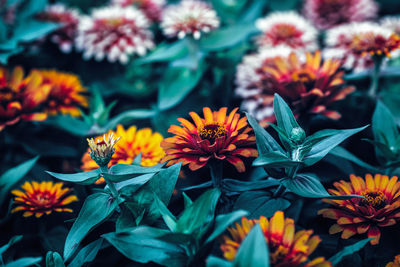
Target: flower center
43, 198
212, 131
374, 198
277, 253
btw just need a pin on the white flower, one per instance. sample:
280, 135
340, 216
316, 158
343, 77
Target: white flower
287, 28
392, 23
152, 8
189, 17
114, 33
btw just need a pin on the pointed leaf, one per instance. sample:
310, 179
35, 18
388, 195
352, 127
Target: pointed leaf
225, 220
348, 250
284, 115
83, 178
87, 253
384, 126
53, 259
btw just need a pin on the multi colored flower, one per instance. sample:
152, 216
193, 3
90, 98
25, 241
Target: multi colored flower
42, 198
189, 17
216, 137
20, 98
308, 85
286, 247
102, 149
380, 206
326, 14
287, 28
392, 23
68, 18
395, 263
152, 8
114, 33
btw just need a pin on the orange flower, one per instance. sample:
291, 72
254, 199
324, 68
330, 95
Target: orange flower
308, 87
379, 208
45, 197
66, 94
286, 248
395, 263
20, 97
370, 43
217, 136
132, 142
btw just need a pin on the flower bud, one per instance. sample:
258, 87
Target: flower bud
297, 135
101, 151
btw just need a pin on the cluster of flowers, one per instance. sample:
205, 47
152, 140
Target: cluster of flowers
288, 61
122, 29
39, 94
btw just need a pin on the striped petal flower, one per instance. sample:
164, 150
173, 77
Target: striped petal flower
42, 198
379, 208
217, 136
287, 248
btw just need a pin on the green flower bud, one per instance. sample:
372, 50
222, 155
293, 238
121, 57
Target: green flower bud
297, 135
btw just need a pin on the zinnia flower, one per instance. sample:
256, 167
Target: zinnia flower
287, 28
392, 23
216, 137
152, 8
114, 33
132, 143
308, 87
287, 248
38, 199
189, 17
326, 14
66, 94
395, 263
379, 208
68, 18
102, 149
20, 98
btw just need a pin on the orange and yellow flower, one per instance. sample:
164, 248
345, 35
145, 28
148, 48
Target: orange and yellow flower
287, 248
67, 93
395, 263
379, 208
21, 97
216, 137
42, 198
132, 142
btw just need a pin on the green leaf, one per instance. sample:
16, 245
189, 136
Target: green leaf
165, 52
306, 185
129, 187
217, 262
253, 252
383, 125
343, 153
33, 29
142, 245
233, 185
95, 210
275, 159
123, 172
284, 115
13, 175
348, 250
31, 7
83, 178
186, 200
227, 37
129, 115
223, 221
53, 259
12, 241
5, 55
22, 262
167, 216
69, 124
86, 254
331, 139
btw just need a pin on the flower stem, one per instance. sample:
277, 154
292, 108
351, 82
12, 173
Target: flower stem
110, 184
216, 173
374, 88
279, 191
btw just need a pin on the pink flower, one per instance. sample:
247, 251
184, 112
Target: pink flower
151, 8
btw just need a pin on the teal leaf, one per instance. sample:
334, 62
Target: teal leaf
284, 115
232, 185
123, 172
53, 259
217, 262
33, 29
166, 52
129, 115
95, 210
86, 254
11, 242
167, 216
24, 262
384, 127
223, 221
275, 159
83, 178
343, 153
348, 250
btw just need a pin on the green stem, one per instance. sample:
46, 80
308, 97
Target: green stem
216, 173
110, 184
279, 191
374, 88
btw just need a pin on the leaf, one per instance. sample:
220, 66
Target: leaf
13, 175
163, 183
167, 216
83, 178
384, 126
12, 241
86, 254
145, 247
129, 187
22, 262
223, 221
275, 159
123, 172
284, 115
348, 250
332, 138
165, 52
95, 210
32, 29
217, 262
178, 77
53, 259
265, 142
343, 153
69, 124
129, 115
306, 185
227, 37
253, 252
233, 185
199, 186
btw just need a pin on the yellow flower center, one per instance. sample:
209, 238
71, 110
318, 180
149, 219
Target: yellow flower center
212, 131
304, 76
376, 199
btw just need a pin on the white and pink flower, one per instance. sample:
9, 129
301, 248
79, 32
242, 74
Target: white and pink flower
151, 8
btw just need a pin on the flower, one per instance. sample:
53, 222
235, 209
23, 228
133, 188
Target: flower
152, 8
395, 263
114, 33
356, 43
189, 17
102, 149
307, 85
287, 28
216, 137
38, 199
326, 14
20, 98
378, 208
392, 23
68, 18
132, 143
286, 248
66, 93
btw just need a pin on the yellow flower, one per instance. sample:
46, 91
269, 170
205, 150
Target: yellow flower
102, 149
395, 263
38, 199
